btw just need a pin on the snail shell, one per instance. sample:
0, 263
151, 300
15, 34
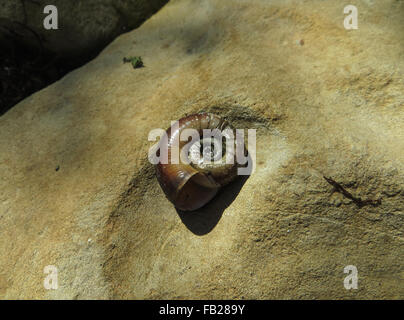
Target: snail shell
189, 186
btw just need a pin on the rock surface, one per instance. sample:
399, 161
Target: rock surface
85, 26
77, 191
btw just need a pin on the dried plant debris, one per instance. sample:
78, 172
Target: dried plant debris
358, 201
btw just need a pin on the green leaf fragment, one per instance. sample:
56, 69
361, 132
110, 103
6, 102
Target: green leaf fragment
135, 61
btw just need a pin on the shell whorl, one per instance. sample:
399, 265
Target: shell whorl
192, 183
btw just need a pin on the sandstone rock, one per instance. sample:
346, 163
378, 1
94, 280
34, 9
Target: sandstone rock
332, 108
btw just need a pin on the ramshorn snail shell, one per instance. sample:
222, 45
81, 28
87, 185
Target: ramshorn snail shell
189, 186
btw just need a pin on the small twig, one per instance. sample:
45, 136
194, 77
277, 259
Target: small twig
358, 201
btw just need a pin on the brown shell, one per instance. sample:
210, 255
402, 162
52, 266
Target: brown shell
185, 186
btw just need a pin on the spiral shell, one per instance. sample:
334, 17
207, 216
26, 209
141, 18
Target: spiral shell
191, 184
